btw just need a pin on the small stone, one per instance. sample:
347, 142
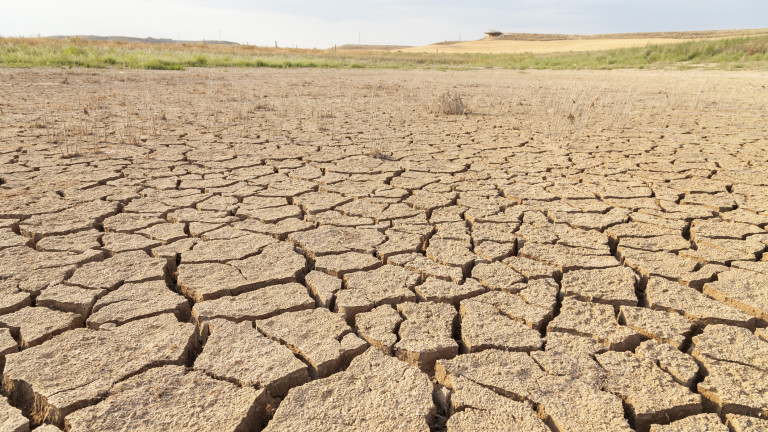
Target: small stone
253, 361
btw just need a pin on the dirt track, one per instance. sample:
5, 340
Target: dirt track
318, 250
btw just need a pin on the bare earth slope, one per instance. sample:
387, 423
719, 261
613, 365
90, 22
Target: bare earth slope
258, 249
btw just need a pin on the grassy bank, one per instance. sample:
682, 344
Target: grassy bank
732, 53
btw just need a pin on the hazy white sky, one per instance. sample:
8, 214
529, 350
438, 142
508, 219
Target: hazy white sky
321, 24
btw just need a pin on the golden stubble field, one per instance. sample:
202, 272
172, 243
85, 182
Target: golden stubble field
237, 250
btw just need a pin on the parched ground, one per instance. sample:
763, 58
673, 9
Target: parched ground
237, 250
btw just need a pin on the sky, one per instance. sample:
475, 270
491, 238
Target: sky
322, 24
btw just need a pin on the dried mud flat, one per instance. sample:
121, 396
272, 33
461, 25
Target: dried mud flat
313, 250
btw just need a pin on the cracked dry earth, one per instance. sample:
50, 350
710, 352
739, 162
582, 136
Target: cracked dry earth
314, 250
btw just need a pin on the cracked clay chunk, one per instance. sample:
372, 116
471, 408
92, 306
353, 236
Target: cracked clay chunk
654, 264
475, 408
35, 325
652, 395
667, 327
376, 392
172, 399
571, 406
75, 369
441, 291
260, 304
378, 327
744, 290
735, 388
11, 299
673, 297
209, 281
319, 336
742, 423
339, 265
334, 240
613, 285
484, 326
707, 422
517, 308
323, 287
532, 269
425, 335
11, 419
70, 298
566, 258
276, 264
8, 344
730, 344
126, 267
454, 253
220, 251
497, 276
135, 301
239, 353
596, 321
425, 267
387, 284
681, 366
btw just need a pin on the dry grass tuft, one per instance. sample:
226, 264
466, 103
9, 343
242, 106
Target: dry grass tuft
450, 103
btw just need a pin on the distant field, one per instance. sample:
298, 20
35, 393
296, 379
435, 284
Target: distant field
748, 52
536, 43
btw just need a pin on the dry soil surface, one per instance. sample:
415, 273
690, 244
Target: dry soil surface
218, 250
